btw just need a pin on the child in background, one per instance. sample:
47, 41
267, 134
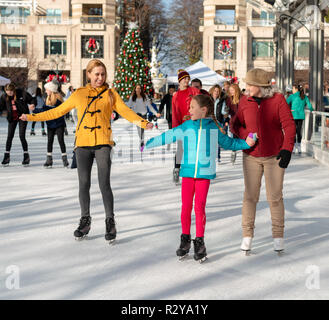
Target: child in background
201, 136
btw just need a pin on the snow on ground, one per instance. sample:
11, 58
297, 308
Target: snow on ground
39, 211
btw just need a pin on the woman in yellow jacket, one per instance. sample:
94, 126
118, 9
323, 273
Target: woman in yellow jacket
93, 140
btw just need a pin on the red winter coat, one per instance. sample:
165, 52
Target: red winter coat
271, 120
181, 104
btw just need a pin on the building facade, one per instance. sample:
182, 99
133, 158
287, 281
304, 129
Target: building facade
46, 36
238, 35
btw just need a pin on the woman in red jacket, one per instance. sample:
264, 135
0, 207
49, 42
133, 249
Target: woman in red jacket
265, 111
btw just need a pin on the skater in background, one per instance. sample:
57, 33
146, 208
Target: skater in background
298, 101
56, 126
95, 103
230, 110
40, 104
217, 94
197, 83
265, 111
139, 103
201, 136
16, 102
180, 113
167, 102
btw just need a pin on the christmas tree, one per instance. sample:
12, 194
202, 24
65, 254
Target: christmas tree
132, 67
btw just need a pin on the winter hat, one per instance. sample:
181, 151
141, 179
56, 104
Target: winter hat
182, 74
52, 86
258, 77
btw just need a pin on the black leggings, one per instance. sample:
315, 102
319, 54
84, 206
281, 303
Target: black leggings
85, 158
11, 132
140, 131
60, 136
299, 126
42, 124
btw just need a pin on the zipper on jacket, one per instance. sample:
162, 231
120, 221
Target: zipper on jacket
197, 151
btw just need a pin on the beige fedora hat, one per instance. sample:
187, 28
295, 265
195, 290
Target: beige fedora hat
258, 77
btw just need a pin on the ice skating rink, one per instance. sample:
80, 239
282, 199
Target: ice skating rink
39, 210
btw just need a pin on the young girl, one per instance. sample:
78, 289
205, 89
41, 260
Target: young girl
54, 127
201, 136
139, 103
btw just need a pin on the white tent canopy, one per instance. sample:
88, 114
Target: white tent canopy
4, 81
201, 71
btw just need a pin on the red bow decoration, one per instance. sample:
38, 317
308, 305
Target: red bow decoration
235, 80
92, 43
225, 44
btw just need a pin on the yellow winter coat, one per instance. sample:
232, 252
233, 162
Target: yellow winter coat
95, 128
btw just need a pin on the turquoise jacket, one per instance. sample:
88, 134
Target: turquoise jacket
200, 143
298, 105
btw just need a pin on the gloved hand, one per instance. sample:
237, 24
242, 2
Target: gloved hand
285, 157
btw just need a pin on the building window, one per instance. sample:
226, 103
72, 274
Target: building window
14, 15
13, 46
225, 48
54, 16
262, 49
225, 15
92, 13
98, 51
55, 45
302, 49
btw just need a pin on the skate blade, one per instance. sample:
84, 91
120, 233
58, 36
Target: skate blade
280, 253
203, 260
247, 253
111, 242
5, 165
79, 239
182, 258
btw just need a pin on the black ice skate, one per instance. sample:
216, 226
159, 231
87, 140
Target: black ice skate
6, 159
111, 232
200, 253
49, 162
176, 176
185, 245
83, 229
32, 133
44, 133
26, 160
65, 161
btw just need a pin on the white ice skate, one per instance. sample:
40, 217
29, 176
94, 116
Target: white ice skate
298, 148
278, 245
246, 245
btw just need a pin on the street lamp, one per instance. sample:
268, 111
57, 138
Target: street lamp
57, 63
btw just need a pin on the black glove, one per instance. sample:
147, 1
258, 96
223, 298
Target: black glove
285, 157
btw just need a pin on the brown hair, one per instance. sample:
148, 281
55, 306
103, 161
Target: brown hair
212, 89
97, 63
11, 87
237, 93
134, 94
205, 101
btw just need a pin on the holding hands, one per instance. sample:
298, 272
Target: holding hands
23, 117
251, 139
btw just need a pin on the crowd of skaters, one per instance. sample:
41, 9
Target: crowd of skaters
257, 119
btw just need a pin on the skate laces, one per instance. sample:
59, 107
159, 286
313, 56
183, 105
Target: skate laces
85, 221
110, 223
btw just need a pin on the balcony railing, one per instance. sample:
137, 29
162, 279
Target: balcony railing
261, 23
92, 19
13, 20
53, 20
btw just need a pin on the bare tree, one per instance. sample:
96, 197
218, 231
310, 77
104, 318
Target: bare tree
183, 31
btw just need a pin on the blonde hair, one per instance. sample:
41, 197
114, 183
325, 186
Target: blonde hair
212, 89
237, 93
97, 63
53, 97
208, 102
11, 87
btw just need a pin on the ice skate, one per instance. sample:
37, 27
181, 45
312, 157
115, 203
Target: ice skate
44, 133
184, 248
298, 149
111, 232
6, 159
246, 245
65, 161
200, 253
278, 246
26, 159
49, 162
233, 157
176, 176
32, 133
83, 228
